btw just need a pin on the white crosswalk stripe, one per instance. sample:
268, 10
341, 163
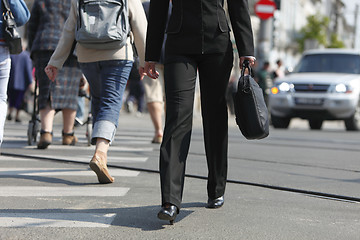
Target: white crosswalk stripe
69, 191
71, 220
86, 158
36, 193
62, 172
91, 148
47, 190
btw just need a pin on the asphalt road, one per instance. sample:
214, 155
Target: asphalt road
295, 184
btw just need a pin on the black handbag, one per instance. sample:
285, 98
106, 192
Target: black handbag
251, 112
11, 35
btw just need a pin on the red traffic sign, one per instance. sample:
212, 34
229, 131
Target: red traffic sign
265, 9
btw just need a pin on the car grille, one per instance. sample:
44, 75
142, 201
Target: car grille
320, 88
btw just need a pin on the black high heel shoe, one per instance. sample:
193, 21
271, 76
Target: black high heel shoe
168, 212
215, 203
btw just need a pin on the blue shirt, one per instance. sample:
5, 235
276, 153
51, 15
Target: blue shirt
19, 10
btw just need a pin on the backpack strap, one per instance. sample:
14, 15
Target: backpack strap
80, 3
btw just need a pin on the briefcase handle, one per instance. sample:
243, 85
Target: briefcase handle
246, 65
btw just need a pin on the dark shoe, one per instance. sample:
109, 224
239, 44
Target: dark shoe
215, 203
168, 212
45, 139
69, 138
9, 117
17, 120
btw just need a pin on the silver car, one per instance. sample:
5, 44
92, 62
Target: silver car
325, 85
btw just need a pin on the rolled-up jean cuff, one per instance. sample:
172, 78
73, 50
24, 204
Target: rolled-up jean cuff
103, 129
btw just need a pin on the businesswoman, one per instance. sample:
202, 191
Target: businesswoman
198, 40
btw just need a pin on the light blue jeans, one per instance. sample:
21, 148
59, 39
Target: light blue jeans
5, 64
107, 81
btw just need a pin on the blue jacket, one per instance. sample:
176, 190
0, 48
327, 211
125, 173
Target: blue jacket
19, 10
20, 71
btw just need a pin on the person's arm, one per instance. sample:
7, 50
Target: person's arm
241, 24
158, 13
138, 25
20, 11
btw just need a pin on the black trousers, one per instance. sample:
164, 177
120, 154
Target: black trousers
180, 74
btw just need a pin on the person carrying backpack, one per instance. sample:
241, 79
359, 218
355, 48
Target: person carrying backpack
106, 62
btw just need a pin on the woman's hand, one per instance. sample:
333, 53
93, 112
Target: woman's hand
251, 61
142, 72
150, 70
51, 72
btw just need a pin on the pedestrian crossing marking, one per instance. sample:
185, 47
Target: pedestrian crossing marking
69, 220
87, 158
62, 172
113, 148
7, 158
68, 191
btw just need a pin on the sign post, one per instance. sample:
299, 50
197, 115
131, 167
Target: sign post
264, 9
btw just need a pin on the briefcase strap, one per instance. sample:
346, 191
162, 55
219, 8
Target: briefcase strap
246, 65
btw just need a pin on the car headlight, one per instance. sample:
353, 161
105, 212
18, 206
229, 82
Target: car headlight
283, 87
342, 88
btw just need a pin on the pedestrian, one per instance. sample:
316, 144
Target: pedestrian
279, 72
44, 31
154, 88
135, 90
198, 40
264, 80
21, 15
19, 81
83, 93
107, 72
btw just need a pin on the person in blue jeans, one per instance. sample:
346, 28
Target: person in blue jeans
21, 14
107, 72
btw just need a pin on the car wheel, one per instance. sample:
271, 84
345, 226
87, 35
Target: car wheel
353, 123
315, 124
280, 122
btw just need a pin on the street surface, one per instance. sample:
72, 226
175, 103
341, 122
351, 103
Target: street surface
295, 184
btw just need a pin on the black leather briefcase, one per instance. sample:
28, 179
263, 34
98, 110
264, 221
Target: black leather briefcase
251, 112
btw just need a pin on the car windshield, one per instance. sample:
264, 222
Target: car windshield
333, 63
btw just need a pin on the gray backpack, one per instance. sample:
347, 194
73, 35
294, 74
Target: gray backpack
102, 24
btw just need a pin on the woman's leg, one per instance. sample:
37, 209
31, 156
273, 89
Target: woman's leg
214, 73
47, 118
68, 127
68, 120
47, 113
107, 80
180, 78
5, 64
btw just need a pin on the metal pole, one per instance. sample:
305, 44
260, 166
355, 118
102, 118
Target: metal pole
264, 41
356, 25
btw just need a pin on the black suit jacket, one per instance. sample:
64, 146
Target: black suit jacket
198, 27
